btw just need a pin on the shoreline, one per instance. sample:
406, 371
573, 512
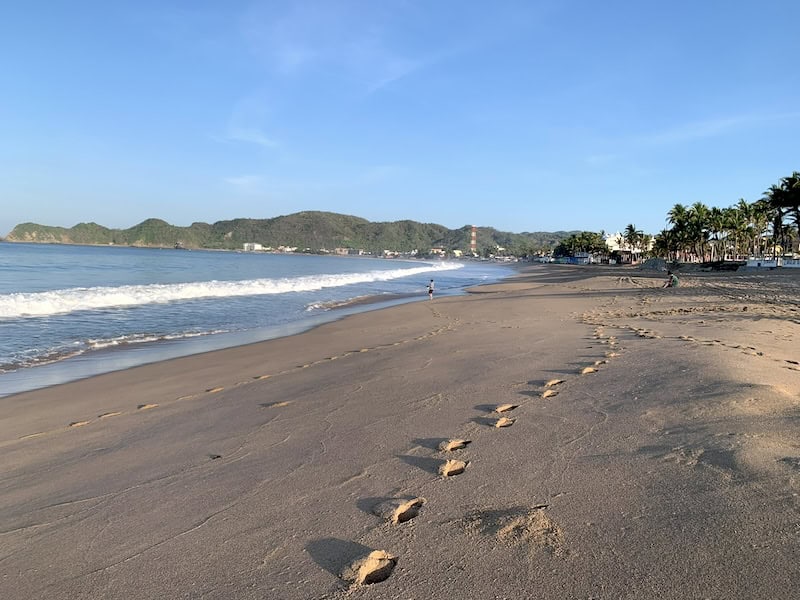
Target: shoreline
649, 452
114, 358
111, 359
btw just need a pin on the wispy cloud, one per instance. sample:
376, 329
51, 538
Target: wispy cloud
350, 38
287, 40
620, 152
394, 70
247, 184
713, 127
247, 122
252, 136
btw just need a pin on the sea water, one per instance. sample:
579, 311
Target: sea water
68, 312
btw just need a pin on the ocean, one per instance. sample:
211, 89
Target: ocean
69, 312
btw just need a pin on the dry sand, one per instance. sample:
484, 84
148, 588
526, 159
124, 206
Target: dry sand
665, 464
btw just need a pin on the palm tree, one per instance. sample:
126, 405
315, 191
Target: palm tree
646, 243
778, 232
779, 200
791, 188
666, 244
791, 200
699, 228
678, 214
760, 218
745, 215
716, 227
633, 239
678, 217
736, 226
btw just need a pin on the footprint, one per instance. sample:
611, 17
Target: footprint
453, 467
214, 390
377, 566
587, 370
689, 457
258, 377
146, 406
519, 526
399, 510
504, 422
215, 456
454, 444
549, 393
553, 382
79, 423
600, 362
110, 414
276, 404
505, 408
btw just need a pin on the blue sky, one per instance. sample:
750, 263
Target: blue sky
524, 116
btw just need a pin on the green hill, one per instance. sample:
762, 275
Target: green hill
312, 229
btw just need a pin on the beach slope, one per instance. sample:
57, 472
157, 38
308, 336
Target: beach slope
571, 433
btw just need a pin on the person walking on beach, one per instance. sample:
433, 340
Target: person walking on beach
430, 290
672, 280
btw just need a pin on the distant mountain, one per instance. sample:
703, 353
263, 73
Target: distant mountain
305, 230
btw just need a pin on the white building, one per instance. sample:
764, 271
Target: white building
615, 242
252, 247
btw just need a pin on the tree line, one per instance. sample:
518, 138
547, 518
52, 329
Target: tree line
769, 226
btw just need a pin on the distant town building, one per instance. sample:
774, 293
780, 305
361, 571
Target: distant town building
252, 247
615, 241
583, 258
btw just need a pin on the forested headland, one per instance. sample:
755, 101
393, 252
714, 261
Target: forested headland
307, 231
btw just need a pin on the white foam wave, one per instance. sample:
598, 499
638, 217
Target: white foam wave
38, 304
143, 338
32, 358
334, 303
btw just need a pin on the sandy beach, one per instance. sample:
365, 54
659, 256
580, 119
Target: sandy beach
574, 432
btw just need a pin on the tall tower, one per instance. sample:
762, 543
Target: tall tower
473, 240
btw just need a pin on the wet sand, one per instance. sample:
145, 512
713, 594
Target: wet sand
571, 433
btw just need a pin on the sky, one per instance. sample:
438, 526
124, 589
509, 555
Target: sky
551, 115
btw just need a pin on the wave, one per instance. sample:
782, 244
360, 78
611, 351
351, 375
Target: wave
54, 302
74, 349
367, 299
143, 338
44, 358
